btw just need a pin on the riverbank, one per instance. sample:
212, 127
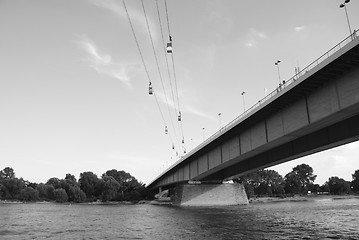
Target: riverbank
300, 198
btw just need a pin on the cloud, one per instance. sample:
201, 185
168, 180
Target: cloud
300, 28
137, 17
104, 64
184, 108
254, 36
258, 34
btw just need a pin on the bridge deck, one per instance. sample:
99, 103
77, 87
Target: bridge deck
267, 133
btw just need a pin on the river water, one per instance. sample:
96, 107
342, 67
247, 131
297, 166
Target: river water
317, 219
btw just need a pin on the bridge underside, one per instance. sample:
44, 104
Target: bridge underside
332, 136
318, 111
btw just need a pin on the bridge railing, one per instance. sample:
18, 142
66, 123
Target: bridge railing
276, 91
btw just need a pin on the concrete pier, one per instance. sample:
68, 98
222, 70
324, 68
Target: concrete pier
210, 195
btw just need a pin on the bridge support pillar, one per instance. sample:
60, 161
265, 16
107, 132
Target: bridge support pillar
210, 195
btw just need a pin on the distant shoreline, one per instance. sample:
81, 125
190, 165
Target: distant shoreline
167, 201
300, 198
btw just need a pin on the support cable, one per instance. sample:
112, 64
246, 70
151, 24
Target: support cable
143, 61
174, 69
158, 67
176, 110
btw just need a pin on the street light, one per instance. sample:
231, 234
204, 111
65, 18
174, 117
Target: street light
344, 5
277, 64
203, 133
219, 117
244, 103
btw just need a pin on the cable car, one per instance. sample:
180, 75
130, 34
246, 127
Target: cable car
150, 89
169, 46
182, 140
166, 130
184, 151
173, 146
179, 116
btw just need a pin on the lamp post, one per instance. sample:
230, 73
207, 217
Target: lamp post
344, 5
219, 118
277, 64
244, 103
203, 133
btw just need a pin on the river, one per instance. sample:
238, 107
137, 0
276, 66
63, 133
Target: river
315, 219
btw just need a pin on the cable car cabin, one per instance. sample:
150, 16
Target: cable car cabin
173, 146
169, 47
182, 140
166, 130
150, 89
179, 116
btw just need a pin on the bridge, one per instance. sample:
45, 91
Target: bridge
316, 109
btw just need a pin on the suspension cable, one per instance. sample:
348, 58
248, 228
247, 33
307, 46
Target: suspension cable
158, 67
174, 69
143, 61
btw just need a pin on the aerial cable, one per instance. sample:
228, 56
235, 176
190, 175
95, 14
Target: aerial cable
168, 68
158, 67
143, 61
174, 70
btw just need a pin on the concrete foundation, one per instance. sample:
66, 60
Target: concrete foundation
210, 195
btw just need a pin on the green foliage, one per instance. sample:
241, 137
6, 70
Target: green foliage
338, 186
29, 194
60, 195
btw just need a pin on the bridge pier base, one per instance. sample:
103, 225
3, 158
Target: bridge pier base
210, 195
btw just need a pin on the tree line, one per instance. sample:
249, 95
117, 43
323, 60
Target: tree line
299, 181
113, 185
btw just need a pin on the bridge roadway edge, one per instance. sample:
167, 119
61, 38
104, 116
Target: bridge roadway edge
334, 109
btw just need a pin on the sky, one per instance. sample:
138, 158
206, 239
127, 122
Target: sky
74, 79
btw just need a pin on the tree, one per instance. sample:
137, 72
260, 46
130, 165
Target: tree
110, 188
7, 173
4, 193
355, 183
324, 188
55, 182
46, 192
127, 182
13, 186
88, 183
60, 195
71, 178
29, 194
305, 175
292, 183
338, 186
263, 182
76, 195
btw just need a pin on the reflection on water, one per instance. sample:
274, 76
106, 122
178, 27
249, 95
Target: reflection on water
322, 219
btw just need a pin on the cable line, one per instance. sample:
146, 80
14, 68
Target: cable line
144, 64
174, 72
168, 68
158, 66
